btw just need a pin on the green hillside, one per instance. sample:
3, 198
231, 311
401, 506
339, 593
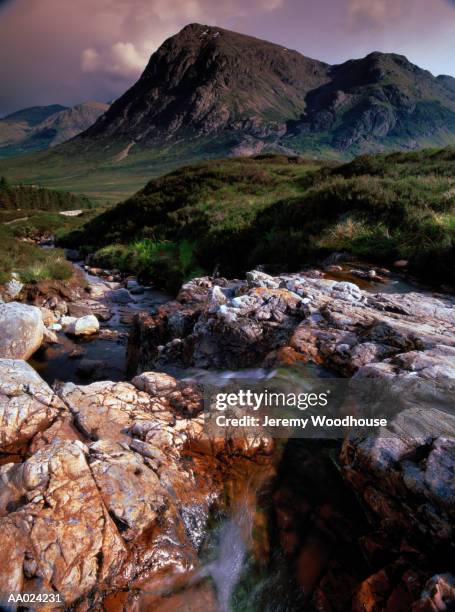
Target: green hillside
237, 213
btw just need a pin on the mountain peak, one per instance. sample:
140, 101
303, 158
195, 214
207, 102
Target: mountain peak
206, 79
217, 90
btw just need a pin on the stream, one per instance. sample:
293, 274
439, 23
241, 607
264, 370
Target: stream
229, 556
62, 362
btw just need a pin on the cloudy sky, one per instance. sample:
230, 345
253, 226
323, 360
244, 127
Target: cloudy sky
68, 51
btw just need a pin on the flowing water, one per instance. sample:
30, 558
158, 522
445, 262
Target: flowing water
243, 573
62, 362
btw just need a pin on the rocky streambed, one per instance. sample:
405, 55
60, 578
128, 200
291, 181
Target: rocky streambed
115, 497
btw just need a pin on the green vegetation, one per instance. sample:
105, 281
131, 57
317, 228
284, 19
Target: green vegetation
20, 226
30, 262
234, 214
167, 262
26, 197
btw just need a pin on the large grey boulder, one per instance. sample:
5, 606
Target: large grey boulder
21, 330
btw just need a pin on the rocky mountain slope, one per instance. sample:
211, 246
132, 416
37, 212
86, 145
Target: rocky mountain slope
208, 93
207, 81
41, 127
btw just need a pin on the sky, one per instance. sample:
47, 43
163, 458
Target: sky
71, 51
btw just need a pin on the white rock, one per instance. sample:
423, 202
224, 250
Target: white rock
13, 288
347, 291
85, 326
255, 278
67, 321
21, 330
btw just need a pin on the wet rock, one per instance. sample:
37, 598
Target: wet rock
219, 323
333, 268
50, 337
89, 367
401, 263
404, 472
119, 296
27, 404
83, 308
112, 334
85, 326
111, 478
48, 316
438, 594
59, 537
21, 330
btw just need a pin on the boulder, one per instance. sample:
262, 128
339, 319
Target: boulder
404, 472
107, 489
27, 404
119, 296
56, 531
85, 326
21, 330
83, 308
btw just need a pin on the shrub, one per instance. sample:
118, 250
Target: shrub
235, 214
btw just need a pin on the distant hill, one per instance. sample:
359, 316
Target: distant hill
42, 127
34, 115
209, 93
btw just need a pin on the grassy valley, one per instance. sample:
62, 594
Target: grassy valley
209, 93
28, 213
234, 214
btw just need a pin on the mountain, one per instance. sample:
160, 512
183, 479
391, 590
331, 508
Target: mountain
41, 127
208, 93
34, 115
208, 81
